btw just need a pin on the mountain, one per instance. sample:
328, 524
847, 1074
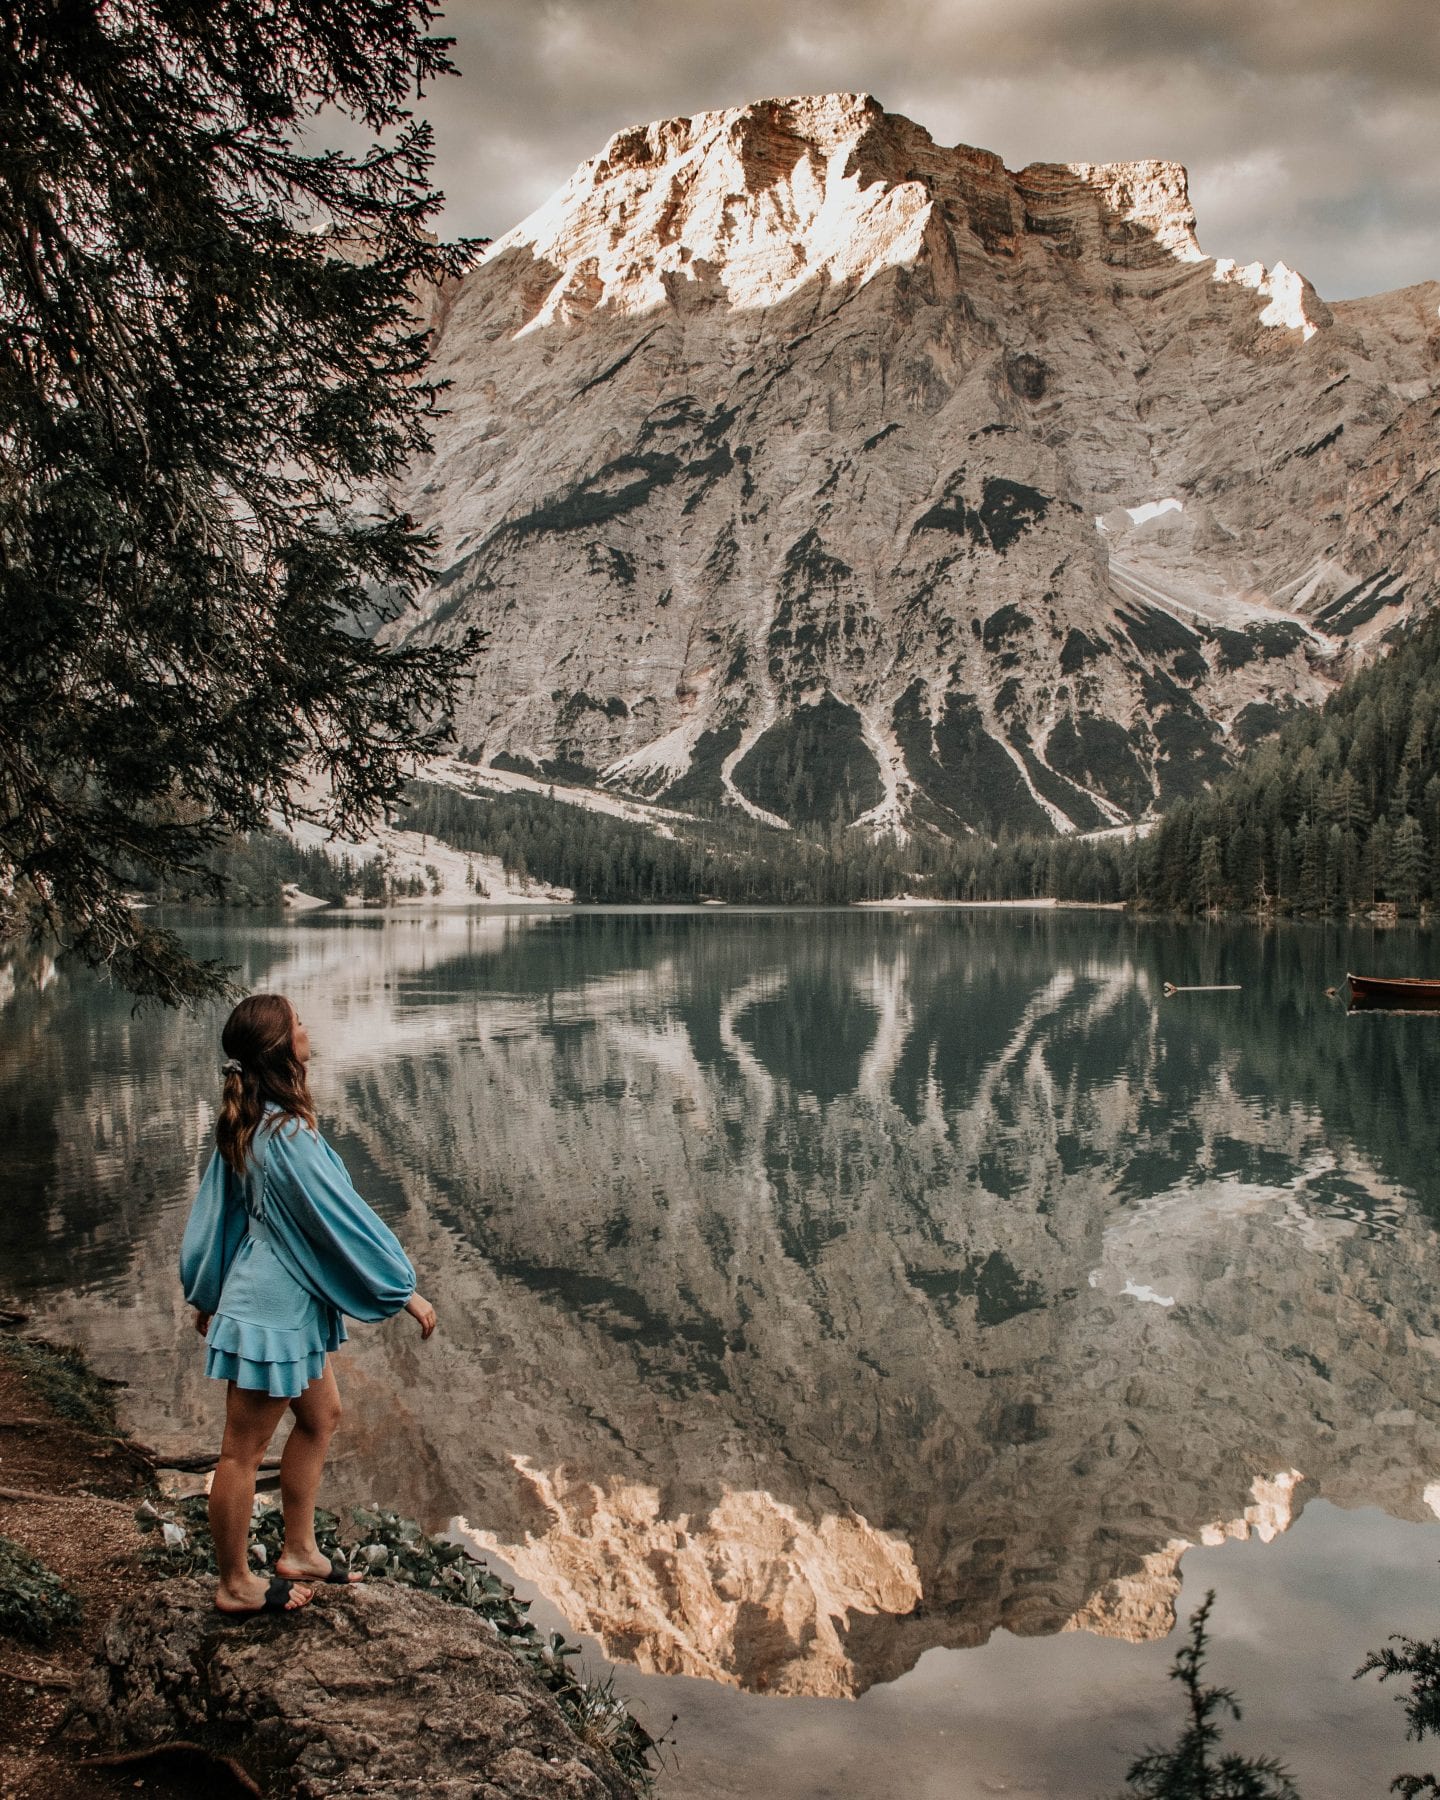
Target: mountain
796, 462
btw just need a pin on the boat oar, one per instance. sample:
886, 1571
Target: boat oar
1209, 987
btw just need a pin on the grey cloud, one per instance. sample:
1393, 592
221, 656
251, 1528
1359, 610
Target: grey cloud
1309, 126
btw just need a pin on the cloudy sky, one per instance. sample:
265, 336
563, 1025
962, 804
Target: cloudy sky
1311, 128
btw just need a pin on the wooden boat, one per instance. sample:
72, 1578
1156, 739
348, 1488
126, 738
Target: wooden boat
1393, 990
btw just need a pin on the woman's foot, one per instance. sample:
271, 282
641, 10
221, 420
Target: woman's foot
313, 1565
256, 1594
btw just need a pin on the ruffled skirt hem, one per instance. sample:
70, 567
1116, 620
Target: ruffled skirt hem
271, 1359
282, 1381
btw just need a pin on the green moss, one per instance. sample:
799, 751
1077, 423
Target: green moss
60, 1375
390, 1548
34, 1602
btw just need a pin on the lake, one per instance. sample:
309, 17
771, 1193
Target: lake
869, 1330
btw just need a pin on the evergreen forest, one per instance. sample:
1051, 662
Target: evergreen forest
1338, 812
744, 862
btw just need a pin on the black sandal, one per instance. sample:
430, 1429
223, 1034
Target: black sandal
340, 1575
277, 1600
337, 1575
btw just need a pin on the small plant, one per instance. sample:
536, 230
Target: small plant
34, 1602
1194, 1770
1421, 1661
390, 1548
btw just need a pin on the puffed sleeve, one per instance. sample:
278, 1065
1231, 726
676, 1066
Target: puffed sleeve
338, 1247
212, 1236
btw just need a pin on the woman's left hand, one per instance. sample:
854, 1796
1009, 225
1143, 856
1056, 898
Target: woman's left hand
423, 1313
202, 1323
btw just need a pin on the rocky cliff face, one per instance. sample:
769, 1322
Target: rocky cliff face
796, 462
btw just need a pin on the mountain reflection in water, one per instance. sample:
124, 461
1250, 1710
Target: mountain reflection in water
815, 1288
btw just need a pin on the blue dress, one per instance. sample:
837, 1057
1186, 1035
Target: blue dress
277, 1257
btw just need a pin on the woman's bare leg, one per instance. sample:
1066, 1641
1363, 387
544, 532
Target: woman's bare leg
317, 1413
250, 1421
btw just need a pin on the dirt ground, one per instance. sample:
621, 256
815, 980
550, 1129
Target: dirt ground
69, 1496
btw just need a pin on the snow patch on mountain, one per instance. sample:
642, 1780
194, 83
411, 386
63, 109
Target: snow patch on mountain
756, 207
465, 878
1294, 304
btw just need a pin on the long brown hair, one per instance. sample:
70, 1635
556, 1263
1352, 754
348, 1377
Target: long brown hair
259, 1036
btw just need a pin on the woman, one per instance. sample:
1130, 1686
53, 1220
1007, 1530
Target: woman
278, 1246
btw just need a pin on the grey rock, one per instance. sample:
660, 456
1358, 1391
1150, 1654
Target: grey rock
1025, 509
377, 1690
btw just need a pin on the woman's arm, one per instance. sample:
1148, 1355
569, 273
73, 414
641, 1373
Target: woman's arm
212, 1236
339, 1248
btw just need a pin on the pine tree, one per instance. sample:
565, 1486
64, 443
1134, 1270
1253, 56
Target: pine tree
1196, 1769
1405, 873
1418, 1658
210, 365
1209, 874
1375, 878
1310, 878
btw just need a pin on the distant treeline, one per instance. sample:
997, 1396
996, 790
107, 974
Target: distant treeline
255, 870
604, 858
742, 861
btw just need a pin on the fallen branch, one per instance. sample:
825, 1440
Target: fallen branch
128, 1759
54, 1679
7, 1493
201, 1462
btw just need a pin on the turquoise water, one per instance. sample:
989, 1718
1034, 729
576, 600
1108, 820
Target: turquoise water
866, 1328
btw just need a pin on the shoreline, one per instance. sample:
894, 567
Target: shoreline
90, 1504
1046, 903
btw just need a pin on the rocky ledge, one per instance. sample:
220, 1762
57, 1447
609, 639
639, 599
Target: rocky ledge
374, 1690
